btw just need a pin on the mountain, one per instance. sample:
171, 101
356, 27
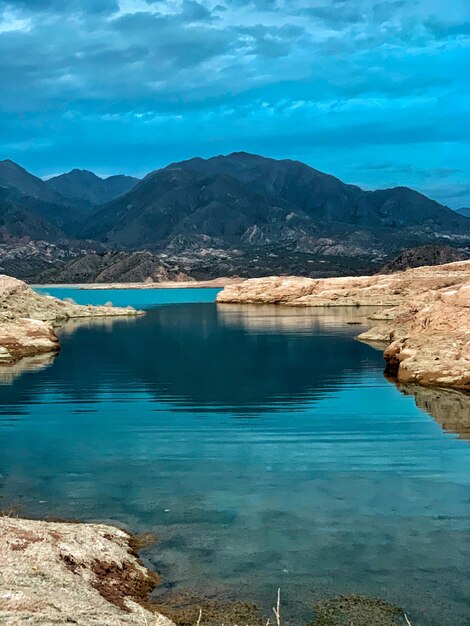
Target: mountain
465, 211
28, 191
113, 267
235, 215
19, 223
64, 200
88, 188
14, 176
245, 201
424, 255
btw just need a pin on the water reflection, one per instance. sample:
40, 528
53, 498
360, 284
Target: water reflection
279, 319
9, 372
206, 356
450, 408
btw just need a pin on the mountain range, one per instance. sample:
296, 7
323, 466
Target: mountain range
245, 200
240, 213
64, 200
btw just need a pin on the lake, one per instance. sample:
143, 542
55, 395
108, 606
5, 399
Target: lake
262, 445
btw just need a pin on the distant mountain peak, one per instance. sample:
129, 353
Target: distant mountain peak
11, 164
83, 186
77, 170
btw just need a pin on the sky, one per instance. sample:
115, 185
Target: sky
375, 92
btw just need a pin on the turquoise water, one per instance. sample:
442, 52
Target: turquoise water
263, 446
138, 298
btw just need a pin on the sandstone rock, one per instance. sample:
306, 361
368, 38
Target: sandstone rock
431, 345
26, 337
85, 574
379, 290
428, 328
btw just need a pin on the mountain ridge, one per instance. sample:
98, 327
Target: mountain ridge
86, 186
239, 214
235, 199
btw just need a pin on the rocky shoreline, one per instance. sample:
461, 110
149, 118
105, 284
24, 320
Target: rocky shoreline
424, 315
58, 573
91, 575
28, 319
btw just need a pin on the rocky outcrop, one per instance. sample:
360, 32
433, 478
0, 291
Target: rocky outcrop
27, 319
378, 290
430, 342
424, 255
25, 338
427, 329
85, 574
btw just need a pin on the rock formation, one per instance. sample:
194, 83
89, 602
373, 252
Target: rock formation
430, 342
58, 573
424, 255
27, 319
428, 328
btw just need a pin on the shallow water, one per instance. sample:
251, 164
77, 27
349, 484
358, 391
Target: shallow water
262, 444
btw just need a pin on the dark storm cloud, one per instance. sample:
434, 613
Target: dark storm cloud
97, 80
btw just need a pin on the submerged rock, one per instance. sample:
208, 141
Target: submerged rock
357, 610
187, 608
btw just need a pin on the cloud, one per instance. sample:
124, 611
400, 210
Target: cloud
330, 81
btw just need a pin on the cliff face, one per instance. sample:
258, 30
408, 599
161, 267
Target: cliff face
85, 574
427, 329
27, 319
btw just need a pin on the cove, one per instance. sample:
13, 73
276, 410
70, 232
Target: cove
262, 444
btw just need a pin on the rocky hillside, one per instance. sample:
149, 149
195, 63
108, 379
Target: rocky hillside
27, 191
243, 200
65, 200
112, 267
17, 222
424, 255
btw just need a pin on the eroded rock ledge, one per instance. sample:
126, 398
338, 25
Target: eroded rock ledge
427, 328
58, 573
27, 319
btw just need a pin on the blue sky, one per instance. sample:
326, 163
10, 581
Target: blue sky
373, 91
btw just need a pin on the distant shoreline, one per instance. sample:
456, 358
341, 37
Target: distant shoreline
171, 284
